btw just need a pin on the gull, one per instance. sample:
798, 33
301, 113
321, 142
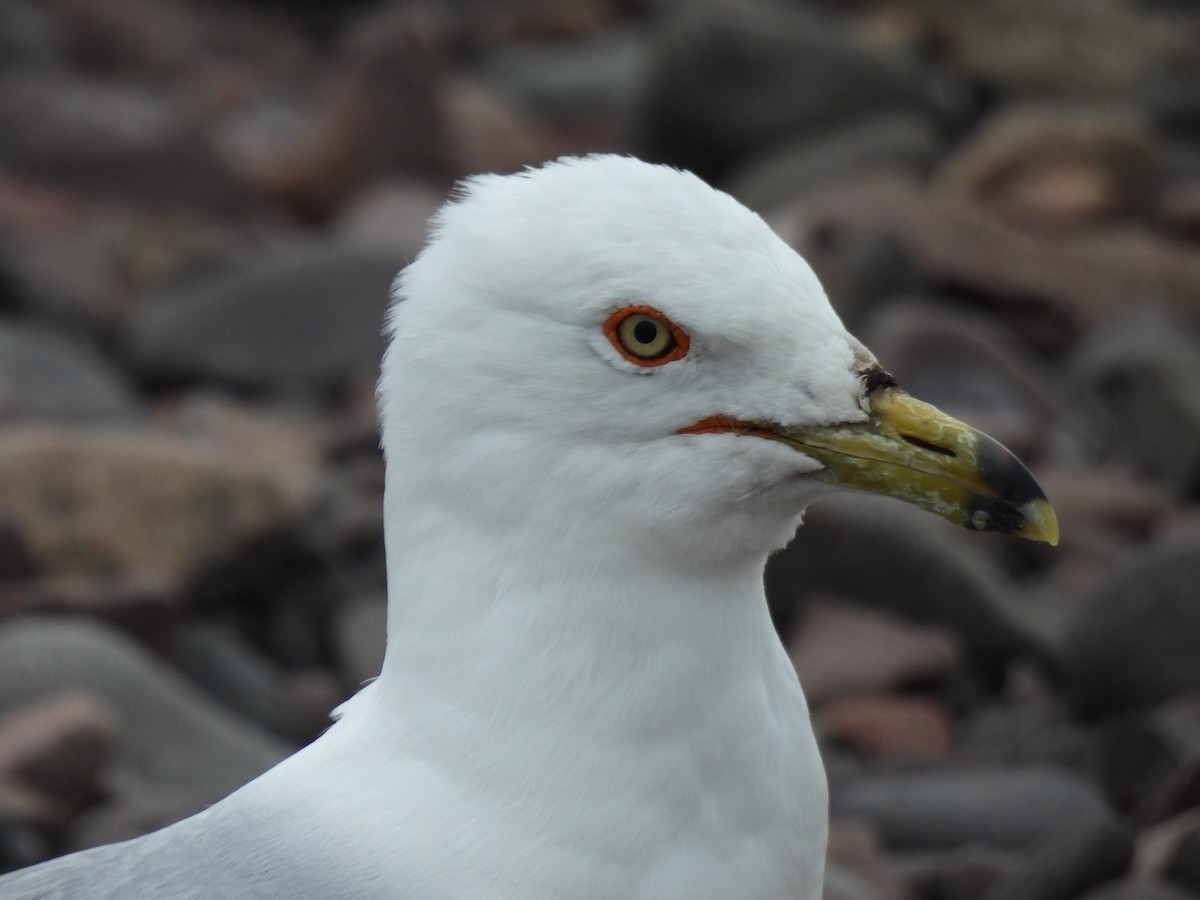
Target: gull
610, 392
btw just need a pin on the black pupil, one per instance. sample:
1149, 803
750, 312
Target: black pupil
645, 332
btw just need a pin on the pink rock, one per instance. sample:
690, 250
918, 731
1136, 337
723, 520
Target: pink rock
891, 727
51, 754
843, 650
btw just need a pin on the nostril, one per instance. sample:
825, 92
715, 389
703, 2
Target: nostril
926, 445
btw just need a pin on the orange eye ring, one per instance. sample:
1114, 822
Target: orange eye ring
645, 337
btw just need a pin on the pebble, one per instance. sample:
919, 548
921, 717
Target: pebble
940, 809
1131, 641
100, 501
51, 754
167, 731
891, 728
296, 324
721, 85
921, 570
48, 376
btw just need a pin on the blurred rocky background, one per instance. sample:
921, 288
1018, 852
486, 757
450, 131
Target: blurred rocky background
202, 204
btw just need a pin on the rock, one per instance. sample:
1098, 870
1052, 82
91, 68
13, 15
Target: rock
723, 86
91, 501
1086, 279
855, 869
1147, 371
806, 163
1179, 208
1104, 50
589, 83
167, 731
1130, 643
941, 809
45, 375
132, 808
299, 323
921, 569
965, 873
360, 632
242, 679
20, 844
891, 728
1077, 855
1138, 889
1171, 851
373, 109
16, 562
113, 138
391, 214
51, 753
141, 605
486, 133
1150, 762
842, 650
974, 368
1056, 169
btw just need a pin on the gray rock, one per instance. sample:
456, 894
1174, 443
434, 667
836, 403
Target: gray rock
1132, 640
938, 810
300, 323
1139, 889
1081, 853
918, 570
1150, 762
242, 679
360, 631
804, 163
47, 375
20, 845
15, 559
1146, 369
723, 85
972, 366
168, 732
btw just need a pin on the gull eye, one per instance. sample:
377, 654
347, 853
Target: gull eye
646, 337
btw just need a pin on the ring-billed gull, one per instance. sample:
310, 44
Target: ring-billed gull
609, 394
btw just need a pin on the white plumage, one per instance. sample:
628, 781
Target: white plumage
583, 695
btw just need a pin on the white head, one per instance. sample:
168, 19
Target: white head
505, 399
502, 381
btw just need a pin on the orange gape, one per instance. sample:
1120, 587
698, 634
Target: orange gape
728, 425
645, 337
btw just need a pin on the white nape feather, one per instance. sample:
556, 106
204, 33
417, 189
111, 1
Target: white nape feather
583, 695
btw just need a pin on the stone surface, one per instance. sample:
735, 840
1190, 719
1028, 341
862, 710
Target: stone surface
360, 631
1003, 807
1056, 168
45, 375
298, 323
392, 214
1079, 854
112, 502
1103, 50
804, 163
892, 728
1087, 279
1130, 642
241, 679
841, 650
722, 85
141, 605
51, 753
168, 732
1139, 889
855, 868
1147, 371
921, 569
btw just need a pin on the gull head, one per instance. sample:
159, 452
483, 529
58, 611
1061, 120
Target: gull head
613, 354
